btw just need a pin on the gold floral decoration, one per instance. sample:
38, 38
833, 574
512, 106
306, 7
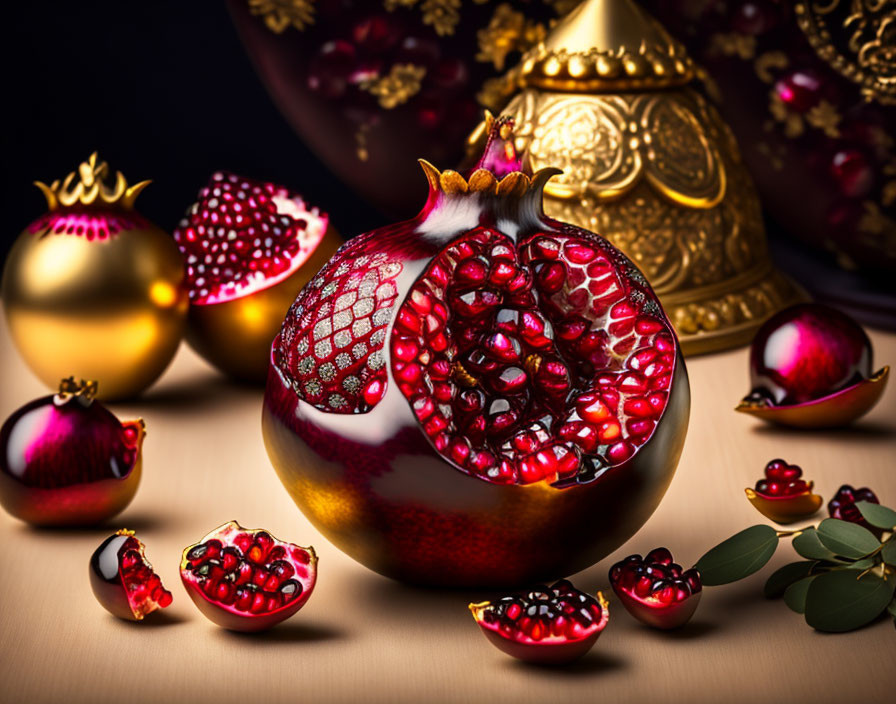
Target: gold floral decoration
400, 85
279, 15
733, 44
765, 62
443, 15
791, 121
825, 117
507, 31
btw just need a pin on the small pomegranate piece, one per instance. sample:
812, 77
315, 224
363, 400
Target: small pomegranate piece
66, 460
249, 246
783, 496
810, 366
122, 579
247, 580
436, 369
843, 505
656, 590
547, 625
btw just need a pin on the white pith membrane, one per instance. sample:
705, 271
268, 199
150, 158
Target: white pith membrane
554, 615
528, 350
243, 236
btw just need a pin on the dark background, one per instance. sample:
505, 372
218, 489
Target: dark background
163, 90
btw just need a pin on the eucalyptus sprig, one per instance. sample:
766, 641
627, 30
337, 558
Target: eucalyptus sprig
846, 579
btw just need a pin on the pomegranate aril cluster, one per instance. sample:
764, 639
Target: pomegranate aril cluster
331, 344
655, 576
140, 582
252, 575
545, 613
843, 505
782, 479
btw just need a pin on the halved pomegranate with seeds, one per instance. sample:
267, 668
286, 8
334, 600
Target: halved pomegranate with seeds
249, 247
480, 395
122, 579
810, 367
843, 505
547, 625
247, 580
656, 590
783, 496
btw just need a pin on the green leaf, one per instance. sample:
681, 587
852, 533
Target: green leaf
876, 515
847, 539
787, 575
795, 594
739, 556
860, 565
838, 601
888, 552
809, 546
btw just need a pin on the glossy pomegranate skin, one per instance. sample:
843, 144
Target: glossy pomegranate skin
807, 352
68, 463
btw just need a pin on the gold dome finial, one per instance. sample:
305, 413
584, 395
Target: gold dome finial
603, 45
91, 188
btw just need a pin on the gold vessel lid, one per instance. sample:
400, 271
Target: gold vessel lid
603, 45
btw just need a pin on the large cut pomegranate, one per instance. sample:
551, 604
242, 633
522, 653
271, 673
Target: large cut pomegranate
783, 495
656, 590
480, 395
810, 366
247, 580
547, 625
67, 460
122, 579
249, 247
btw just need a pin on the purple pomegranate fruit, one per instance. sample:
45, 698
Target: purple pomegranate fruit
656, 590
66, 460
122, 579
480, 395
810, 366
247, 580
783, 495
843, 505
547, 625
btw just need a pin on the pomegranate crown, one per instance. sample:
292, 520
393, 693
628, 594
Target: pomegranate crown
500, 170
91, 188
81, 388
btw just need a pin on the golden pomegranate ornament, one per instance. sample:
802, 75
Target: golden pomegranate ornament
649, 164
249, 248
93, 289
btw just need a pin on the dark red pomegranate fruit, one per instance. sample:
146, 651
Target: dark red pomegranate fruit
843, 505
547, 625
247, 580
810, 366
479, 396
249, 247
122, 579
783, 495
656, 590
66, 460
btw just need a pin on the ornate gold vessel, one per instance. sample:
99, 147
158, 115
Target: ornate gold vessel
647, 163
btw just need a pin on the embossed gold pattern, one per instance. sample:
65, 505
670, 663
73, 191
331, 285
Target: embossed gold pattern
658, 173
279, 15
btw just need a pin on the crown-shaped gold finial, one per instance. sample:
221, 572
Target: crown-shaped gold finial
91, 188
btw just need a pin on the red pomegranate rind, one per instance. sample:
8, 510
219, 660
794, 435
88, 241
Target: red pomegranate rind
547, 625
247, 580
537, 364
243, 236
331, 346
123, 580
90, 224
656, 590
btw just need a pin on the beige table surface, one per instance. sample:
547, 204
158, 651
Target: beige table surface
364, 638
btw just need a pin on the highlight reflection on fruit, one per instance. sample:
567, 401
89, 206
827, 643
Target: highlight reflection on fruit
249, 247
66, 460
122, 579
547, 625
486, 396
94, 290
783, 495
656, 590
247, 580
810, 366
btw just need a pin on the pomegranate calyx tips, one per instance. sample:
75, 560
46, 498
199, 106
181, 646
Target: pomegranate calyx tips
92, 187
82, 389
